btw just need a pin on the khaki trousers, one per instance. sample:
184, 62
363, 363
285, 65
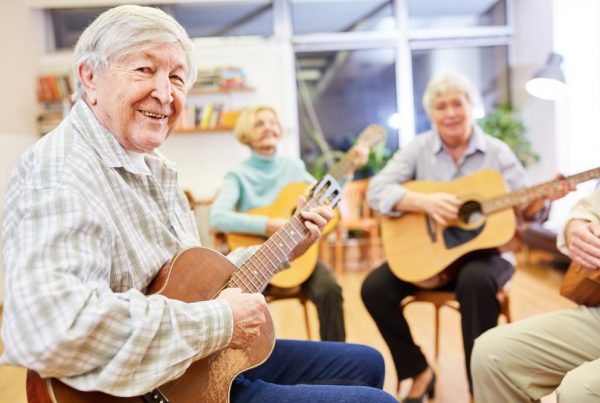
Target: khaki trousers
525, 360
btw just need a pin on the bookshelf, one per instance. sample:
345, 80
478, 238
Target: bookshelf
215, 101
53, 92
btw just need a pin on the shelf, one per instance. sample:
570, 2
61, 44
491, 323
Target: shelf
196, 91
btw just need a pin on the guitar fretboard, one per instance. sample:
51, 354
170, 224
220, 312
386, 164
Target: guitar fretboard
262, 266
525, 196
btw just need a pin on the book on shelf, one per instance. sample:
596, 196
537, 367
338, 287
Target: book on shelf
220, 79
205, 117
53, 88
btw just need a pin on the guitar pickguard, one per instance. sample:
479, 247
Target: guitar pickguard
455, 236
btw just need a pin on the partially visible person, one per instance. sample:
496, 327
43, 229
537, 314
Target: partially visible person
93, 212
528, 359
455, 147
256, 183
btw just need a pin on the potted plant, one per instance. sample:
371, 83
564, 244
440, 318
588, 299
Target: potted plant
505, 125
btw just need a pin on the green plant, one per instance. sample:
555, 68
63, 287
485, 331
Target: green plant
378, 157
505, 125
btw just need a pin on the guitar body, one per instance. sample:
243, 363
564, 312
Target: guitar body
284, 206
195, 274
417, 249
581, 285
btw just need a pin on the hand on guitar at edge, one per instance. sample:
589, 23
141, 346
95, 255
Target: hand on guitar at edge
583, 240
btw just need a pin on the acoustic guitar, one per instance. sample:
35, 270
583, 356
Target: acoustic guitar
581, 285
284, 205
419, 250
199, 274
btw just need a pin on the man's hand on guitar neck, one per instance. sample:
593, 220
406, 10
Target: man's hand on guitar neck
314, 220
248, 315
583, 240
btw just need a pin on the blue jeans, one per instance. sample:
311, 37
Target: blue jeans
305, 371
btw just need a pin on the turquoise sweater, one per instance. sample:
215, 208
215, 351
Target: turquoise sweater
254, 183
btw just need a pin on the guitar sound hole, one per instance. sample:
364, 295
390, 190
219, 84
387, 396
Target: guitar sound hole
470, 213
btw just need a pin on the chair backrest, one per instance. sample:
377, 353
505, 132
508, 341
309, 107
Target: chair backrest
354, 204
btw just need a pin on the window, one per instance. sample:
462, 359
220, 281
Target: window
200, 20
456, 14
347, 90
341, 16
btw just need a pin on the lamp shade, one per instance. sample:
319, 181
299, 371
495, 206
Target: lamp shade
549, 82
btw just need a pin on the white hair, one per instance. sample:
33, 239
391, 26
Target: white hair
449, 81
127, 29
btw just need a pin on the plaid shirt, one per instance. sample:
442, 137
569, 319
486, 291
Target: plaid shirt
85, 230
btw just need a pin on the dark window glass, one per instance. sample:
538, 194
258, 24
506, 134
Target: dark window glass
448, 14
346, 90
486, 66
69, 23
228, 19
341, 16
199, 20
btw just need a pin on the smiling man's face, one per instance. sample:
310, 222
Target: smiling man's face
140, 96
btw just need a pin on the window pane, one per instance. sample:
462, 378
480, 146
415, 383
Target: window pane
229, 19
448, 14
199, 20
347, 90
341, 16
69, 23
486, 66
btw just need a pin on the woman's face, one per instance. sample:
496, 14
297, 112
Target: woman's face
266, 133
451, 115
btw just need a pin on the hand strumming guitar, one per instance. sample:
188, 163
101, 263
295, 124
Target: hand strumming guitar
442, 207
248, 312
583, 240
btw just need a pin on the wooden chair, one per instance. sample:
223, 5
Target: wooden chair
273, 294
355, 215
447, 298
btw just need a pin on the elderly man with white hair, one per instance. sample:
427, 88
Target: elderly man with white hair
92, 214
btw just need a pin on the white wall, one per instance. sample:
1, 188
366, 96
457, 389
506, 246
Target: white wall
20, 59
533, 41
566, 133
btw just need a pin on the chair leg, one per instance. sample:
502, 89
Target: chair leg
338, 254
506, 308
304, 303
437, 332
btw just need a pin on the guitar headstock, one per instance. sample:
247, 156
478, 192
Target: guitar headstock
371, 136
326, 192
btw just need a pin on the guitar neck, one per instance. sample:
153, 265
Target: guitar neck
525, 196
256, 272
